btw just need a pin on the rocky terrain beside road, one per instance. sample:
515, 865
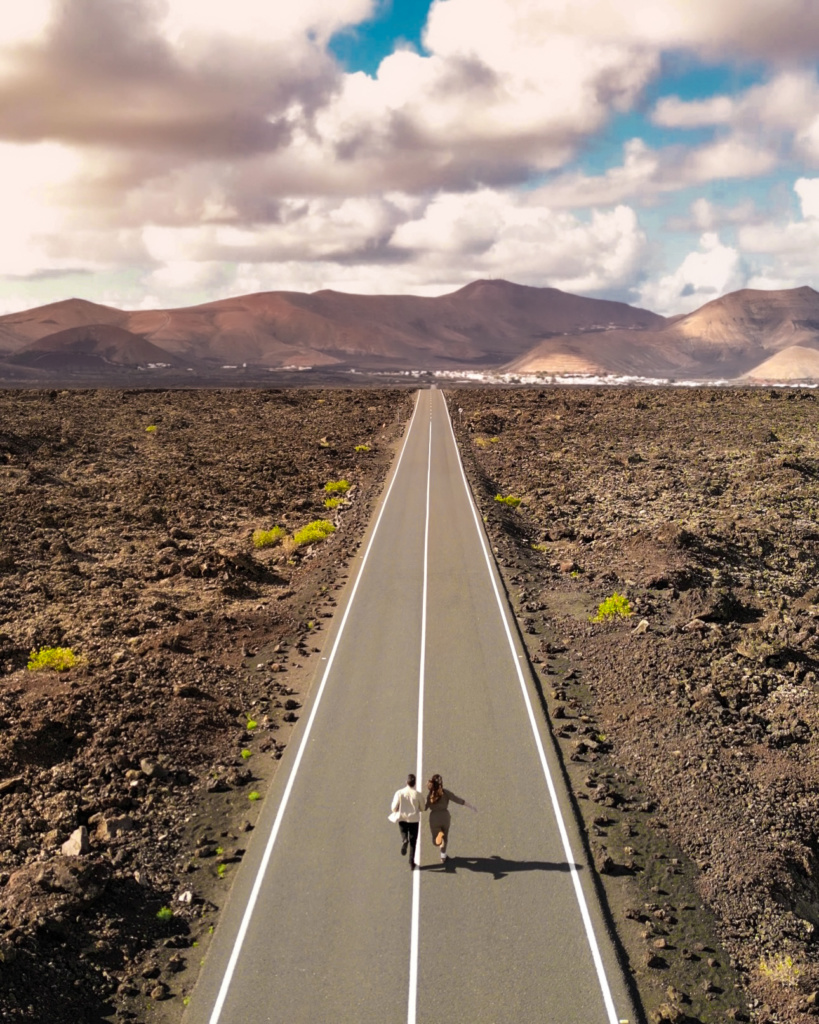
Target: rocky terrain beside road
127, 783
688, 730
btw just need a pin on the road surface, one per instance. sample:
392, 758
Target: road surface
421, 672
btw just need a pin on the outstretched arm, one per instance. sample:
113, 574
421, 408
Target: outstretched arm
460, 800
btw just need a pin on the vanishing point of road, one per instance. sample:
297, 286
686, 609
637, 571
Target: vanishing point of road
422, 672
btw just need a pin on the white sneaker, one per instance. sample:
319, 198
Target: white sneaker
443, 856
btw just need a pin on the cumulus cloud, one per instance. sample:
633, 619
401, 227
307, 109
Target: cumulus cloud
494, 234
768, 29
705, 274
790, 247
647, 172
705, 215
206, 145
779, 114
672, 112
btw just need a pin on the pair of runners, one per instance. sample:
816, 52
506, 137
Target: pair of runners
407, 807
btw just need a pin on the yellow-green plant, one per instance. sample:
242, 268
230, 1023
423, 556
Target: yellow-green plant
362, 447
221, 869
782, 969
539, 547
164, 913
54, 659
267, 538
247, 753
509, 500
332, 502
253, 795
151, 429
337, 486
615, 607
314, 532
251, 724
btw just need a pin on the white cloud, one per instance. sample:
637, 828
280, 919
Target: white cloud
492, 234
787, 251
808, 191
260, 20
25, 22
647, 172
703, 275
707, 216
777, 115
770, 29
672, 112
202, 146
795, 240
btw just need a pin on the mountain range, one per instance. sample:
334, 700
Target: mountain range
491, 325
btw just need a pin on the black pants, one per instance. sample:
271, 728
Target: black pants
409, 834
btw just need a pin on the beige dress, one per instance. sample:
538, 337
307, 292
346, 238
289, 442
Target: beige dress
439, 818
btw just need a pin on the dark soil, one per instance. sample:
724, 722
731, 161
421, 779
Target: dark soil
688, 730
133, 548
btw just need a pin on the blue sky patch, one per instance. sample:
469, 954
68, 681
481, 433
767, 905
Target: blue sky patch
364, 46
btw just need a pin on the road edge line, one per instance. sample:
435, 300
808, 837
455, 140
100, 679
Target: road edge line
591, 938
257, 884
415, 917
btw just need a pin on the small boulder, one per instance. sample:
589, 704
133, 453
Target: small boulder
77, 843
110, 828
152, 769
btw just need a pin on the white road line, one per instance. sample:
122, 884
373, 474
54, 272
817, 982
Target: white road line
257, 885
564, 835
416, 875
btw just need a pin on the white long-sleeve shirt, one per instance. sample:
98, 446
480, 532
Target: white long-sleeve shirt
408, 804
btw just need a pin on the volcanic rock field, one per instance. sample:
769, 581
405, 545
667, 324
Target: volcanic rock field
133, 548
687, 729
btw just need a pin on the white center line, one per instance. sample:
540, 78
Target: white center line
564, 835
257, 885
416, 875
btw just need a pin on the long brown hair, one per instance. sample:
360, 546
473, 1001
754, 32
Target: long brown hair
436, 788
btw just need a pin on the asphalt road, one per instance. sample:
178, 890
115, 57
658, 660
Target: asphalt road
420, 672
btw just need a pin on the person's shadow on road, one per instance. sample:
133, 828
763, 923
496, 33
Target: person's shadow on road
498, 867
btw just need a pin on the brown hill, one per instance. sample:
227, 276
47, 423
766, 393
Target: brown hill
727, 337
18, 329
483, 324
91, 347
487, 324
794, 363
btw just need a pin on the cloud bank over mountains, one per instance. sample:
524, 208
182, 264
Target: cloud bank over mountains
162, 152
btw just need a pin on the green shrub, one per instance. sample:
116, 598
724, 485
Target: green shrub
55, 659
614, 607
332, 502
164, 913
251, 724
782, 969
362, 447
314, 532
221, 869
267, 538
247, 753
539, 547
509, 500
150, 430
253, 795
337, 486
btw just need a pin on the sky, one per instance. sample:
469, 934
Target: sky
161, 153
